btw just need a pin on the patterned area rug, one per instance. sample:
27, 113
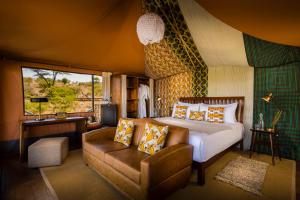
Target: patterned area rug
244, 173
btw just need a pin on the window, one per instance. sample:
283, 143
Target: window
66, 91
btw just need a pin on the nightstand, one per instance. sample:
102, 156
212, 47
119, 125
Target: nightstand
273, 138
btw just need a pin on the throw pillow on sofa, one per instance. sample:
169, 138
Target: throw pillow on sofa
124, 132
153, 138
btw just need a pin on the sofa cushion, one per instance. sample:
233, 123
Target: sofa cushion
127, 162
99, 148
153, 139
176, 134
124, 132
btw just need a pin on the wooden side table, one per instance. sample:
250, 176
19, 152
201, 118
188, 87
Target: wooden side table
273, 138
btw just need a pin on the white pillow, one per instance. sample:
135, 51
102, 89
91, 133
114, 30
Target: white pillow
229, 111
191, 107
184, 104
174, 108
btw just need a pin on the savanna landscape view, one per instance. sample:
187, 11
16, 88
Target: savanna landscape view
67, 92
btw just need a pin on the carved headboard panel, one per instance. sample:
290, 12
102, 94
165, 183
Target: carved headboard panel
219, 100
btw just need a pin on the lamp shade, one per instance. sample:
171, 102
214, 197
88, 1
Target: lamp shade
267, 98
150, 28
39, 99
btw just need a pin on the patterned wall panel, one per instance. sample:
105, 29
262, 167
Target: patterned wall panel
284, 83
277, 70
178, 37
170, 89
161, 61
261, 53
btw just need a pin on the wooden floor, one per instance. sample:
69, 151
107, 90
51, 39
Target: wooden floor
20, 183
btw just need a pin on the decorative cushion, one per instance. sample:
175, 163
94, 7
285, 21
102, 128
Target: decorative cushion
153, 138
229, 111
215, 114
192, 107
124, 132
180, 112
197, 115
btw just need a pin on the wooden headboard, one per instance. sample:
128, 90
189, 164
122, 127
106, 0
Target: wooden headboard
219, 100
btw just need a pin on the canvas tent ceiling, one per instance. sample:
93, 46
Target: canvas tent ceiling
275, 21
97, 34
101, 34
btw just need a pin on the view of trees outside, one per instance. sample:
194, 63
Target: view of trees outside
67, 92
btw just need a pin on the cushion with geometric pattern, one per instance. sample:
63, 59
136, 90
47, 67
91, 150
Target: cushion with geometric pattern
153, 138
215, 114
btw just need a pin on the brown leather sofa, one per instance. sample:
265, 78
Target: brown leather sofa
137, 174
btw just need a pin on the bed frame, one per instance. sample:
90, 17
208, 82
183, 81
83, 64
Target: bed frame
201, 166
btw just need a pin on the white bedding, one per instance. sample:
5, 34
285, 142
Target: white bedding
207, 138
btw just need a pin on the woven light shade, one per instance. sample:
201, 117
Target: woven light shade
150, 28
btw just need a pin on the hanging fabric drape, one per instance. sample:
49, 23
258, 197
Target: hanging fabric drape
277, 70
143, 95
106, 86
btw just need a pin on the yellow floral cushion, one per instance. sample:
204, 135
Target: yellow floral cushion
124, 132
153, 138
215, 114
197, 115
180, 112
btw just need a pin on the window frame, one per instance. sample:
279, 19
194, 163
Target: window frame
23, 91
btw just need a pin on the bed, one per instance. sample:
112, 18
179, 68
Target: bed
211, 140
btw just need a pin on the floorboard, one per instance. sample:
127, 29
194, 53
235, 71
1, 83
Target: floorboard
20, 183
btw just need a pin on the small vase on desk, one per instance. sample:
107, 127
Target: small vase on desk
261, 121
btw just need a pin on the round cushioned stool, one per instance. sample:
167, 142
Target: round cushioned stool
48, 152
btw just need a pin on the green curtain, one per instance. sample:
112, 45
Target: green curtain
181, 42
277, 70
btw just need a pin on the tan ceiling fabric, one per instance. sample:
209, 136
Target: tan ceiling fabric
96, 34
161, 61
218, 43
276, 21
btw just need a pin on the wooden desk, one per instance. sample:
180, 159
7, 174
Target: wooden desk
26, 124
273, 137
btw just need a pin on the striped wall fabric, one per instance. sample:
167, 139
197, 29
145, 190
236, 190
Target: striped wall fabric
277, 70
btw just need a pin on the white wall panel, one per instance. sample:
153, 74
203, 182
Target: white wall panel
234, 81
218, 43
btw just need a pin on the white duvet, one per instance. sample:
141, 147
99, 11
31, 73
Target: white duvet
207, 138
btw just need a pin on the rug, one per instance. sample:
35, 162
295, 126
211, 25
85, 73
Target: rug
75, 181
244, 173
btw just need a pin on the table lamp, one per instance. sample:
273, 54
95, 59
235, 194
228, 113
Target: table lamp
39, 100
268, 98
158, 108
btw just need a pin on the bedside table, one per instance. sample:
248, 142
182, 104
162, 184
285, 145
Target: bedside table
273, 137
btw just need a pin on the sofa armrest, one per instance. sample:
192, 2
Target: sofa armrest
99, 134
165, 163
